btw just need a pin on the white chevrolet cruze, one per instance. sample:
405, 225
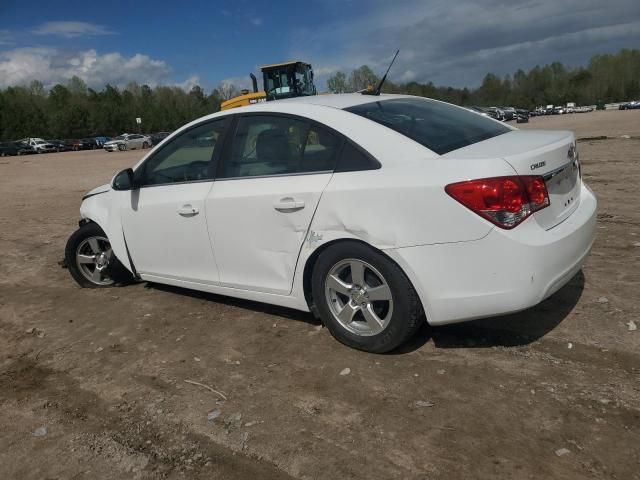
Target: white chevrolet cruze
374, 212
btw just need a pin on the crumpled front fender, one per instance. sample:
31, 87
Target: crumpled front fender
101, 207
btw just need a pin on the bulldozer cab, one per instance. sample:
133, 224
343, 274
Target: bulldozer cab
286, 80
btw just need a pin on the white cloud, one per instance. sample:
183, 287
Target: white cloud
50, 65
71, 29
239, 82
456, 43
189, 83
325, 70
256, 21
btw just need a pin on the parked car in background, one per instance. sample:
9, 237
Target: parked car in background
15, 148
128, 141
372, 211
81, 144
39, 145
28, 149
508, 113
156, 138
496, 113
91, 142
60, 145
522, 115
630, 105
101, 140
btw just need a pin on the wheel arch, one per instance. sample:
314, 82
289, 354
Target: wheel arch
96, 209
313, 258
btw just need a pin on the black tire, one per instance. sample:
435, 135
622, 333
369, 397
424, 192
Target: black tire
115, 271
122, 147
145, 145
406, 316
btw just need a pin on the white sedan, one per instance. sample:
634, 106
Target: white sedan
374, 212
128, 141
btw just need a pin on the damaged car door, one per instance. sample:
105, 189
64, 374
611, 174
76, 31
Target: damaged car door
264, 198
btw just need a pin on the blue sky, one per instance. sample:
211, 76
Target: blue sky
207, 42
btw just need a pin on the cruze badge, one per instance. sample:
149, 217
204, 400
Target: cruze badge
538, 165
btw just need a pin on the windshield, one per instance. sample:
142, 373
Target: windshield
441, 127
289, 81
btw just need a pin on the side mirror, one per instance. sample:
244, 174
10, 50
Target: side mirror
123, 180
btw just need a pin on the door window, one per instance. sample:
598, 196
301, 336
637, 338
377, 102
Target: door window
275, 145
186, 158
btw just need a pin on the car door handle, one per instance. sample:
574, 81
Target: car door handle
288, 204
188, 211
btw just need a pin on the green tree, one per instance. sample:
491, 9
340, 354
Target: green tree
362, 78
337, 83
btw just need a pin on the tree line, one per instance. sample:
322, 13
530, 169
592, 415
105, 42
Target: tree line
607, 78
74, 110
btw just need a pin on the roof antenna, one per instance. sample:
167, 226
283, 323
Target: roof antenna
376, 91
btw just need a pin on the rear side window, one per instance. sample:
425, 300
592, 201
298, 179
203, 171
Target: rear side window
276, 145
353, 159
438, 126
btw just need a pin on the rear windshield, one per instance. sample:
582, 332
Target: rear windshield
440, 127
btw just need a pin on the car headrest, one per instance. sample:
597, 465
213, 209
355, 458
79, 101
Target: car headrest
273, 146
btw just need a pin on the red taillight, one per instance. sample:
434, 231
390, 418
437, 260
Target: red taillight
504, 201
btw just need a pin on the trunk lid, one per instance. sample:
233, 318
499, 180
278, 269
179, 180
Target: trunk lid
550, 154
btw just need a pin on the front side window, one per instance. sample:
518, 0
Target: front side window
186, 158
273, 145
440, 127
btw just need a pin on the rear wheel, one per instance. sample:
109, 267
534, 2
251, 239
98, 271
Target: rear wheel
91, 261
364, 299
145, 145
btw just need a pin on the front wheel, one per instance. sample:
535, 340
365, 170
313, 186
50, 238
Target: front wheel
91, 261
364, 299
122, 147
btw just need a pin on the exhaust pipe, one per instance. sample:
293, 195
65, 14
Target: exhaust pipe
255, 82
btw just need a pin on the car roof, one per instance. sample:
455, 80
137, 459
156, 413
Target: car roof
342, 100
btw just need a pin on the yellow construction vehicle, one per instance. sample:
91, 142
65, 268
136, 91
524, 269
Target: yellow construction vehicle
280, 80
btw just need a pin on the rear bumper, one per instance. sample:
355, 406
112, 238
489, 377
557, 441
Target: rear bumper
504, 272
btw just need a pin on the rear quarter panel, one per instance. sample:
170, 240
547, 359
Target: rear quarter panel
402, 206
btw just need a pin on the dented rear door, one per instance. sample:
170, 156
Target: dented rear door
257, 226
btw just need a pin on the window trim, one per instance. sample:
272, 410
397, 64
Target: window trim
214, 160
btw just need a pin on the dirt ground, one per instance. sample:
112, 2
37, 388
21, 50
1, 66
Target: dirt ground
552, 392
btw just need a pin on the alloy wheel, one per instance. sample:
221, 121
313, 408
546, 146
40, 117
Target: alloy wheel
359, 297
93, 256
